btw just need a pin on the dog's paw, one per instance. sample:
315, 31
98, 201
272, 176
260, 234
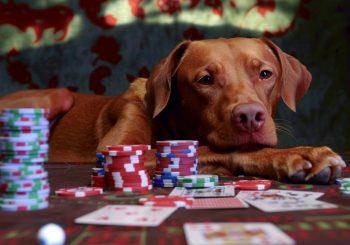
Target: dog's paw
315, 165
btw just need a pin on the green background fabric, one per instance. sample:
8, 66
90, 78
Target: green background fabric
98, 46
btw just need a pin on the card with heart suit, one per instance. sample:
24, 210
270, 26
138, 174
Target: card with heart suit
284, 200
234, 233
217, 203
216, 191
127, 215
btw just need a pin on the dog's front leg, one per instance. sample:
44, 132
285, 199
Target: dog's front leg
300, 164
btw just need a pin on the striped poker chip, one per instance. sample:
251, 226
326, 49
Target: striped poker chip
167, 201
169, 170
25, 111
25, 161
22, 140
122, 153
39, 134
26, 194
22, 172
24, 185
255, 184
28, 176
177, 149
23, 207
134, 189
124, 159
128, 148
21, 123
23, 201
200, 178
161, 177
164, 185
177, 143
79, 191
198, 185
175, 155
23, 147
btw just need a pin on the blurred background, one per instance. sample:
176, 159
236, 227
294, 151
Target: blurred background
99, 46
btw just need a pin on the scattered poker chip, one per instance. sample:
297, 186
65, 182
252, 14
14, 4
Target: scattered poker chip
167, 201
256, 184
198, 185
79, 191
177, 143
24, 207
201, 178
128, 148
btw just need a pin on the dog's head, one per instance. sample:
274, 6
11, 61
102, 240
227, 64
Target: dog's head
231, 87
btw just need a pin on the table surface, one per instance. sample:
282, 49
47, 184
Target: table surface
305, 227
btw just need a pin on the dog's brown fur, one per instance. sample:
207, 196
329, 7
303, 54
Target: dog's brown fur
174, 103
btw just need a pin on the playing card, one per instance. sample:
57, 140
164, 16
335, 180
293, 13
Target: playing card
234, 233
282, 200
217, 191
127, 215
217, 203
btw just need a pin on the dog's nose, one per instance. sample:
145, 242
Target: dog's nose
249, 117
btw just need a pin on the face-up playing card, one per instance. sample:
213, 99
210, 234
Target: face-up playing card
216, 191
284, 200
127, 215
234, 233
217, 203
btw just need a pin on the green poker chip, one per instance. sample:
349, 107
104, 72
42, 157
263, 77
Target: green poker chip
12, 186
199, 179
25, 111
22, 201
26, 194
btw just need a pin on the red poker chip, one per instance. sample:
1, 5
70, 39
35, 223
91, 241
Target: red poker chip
128, 159
122, 170
97, 181
133, 189
79, 191
122, 153
258, 184
128, 147
130, 177
167, 201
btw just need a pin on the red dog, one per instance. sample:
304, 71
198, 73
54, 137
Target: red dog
223, 92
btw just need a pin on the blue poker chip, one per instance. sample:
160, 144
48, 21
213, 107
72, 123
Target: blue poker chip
164, 181
100, 157
164, 185
164, 176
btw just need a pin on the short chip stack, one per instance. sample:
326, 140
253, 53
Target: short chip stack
125, 170
23, 150
198, 181
98, 172
175, 158
344, 185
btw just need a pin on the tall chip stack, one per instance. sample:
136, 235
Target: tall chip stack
175, 158
125, 170
24, 149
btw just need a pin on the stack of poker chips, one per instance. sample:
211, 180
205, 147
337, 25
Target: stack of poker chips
98, 172
344, 185
24, 148
198, 181
125, 170
175, 158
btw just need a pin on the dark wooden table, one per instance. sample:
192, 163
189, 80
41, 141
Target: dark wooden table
306, 227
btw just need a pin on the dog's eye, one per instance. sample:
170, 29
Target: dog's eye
265, 74
206, 80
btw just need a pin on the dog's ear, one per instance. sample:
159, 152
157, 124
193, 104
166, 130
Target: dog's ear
295, 77
159, 82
